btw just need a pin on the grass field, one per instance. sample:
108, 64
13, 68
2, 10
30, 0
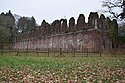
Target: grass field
37, 69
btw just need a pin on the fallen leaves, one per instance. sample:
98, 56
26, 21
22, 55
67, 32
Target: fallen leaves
77, 71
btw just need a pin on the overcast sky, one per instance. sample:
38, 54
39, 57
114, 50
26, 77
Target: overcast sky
50, 10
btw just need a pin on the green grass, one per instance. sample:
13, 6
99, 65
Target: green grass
33, 69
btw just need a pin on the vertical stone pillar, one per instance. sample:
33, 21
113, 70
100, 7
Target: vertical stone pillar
81, 22
56, 25
102, 23
93, 20
64, 25
71, 24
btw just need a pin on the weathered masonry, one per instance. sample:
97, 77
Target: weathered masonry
82, 36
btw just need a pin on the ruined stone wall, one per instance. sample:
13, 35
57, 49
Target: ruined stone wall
91, 36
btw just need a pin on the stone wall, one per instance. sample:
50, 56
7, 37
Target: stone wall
91, 36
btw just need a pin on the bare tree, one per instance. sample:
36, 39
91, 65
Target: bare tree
115, 7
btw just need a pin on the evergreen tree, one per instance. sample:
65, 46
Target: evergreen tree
113, 31
26, 24
4, 37
8, 22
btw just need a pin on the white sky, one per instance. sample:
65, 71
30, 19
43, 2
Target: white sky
50, 10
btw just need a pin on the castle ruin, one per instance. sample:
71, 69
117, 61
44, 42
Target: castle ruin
82, 36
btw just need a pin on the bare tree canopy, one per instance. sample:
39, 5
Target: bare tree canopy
115, 7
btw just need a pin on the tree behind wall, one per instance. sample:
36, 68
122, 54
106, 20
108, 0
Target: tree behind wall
115, 7
4, 37
112, 29
26, 24
7, 21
